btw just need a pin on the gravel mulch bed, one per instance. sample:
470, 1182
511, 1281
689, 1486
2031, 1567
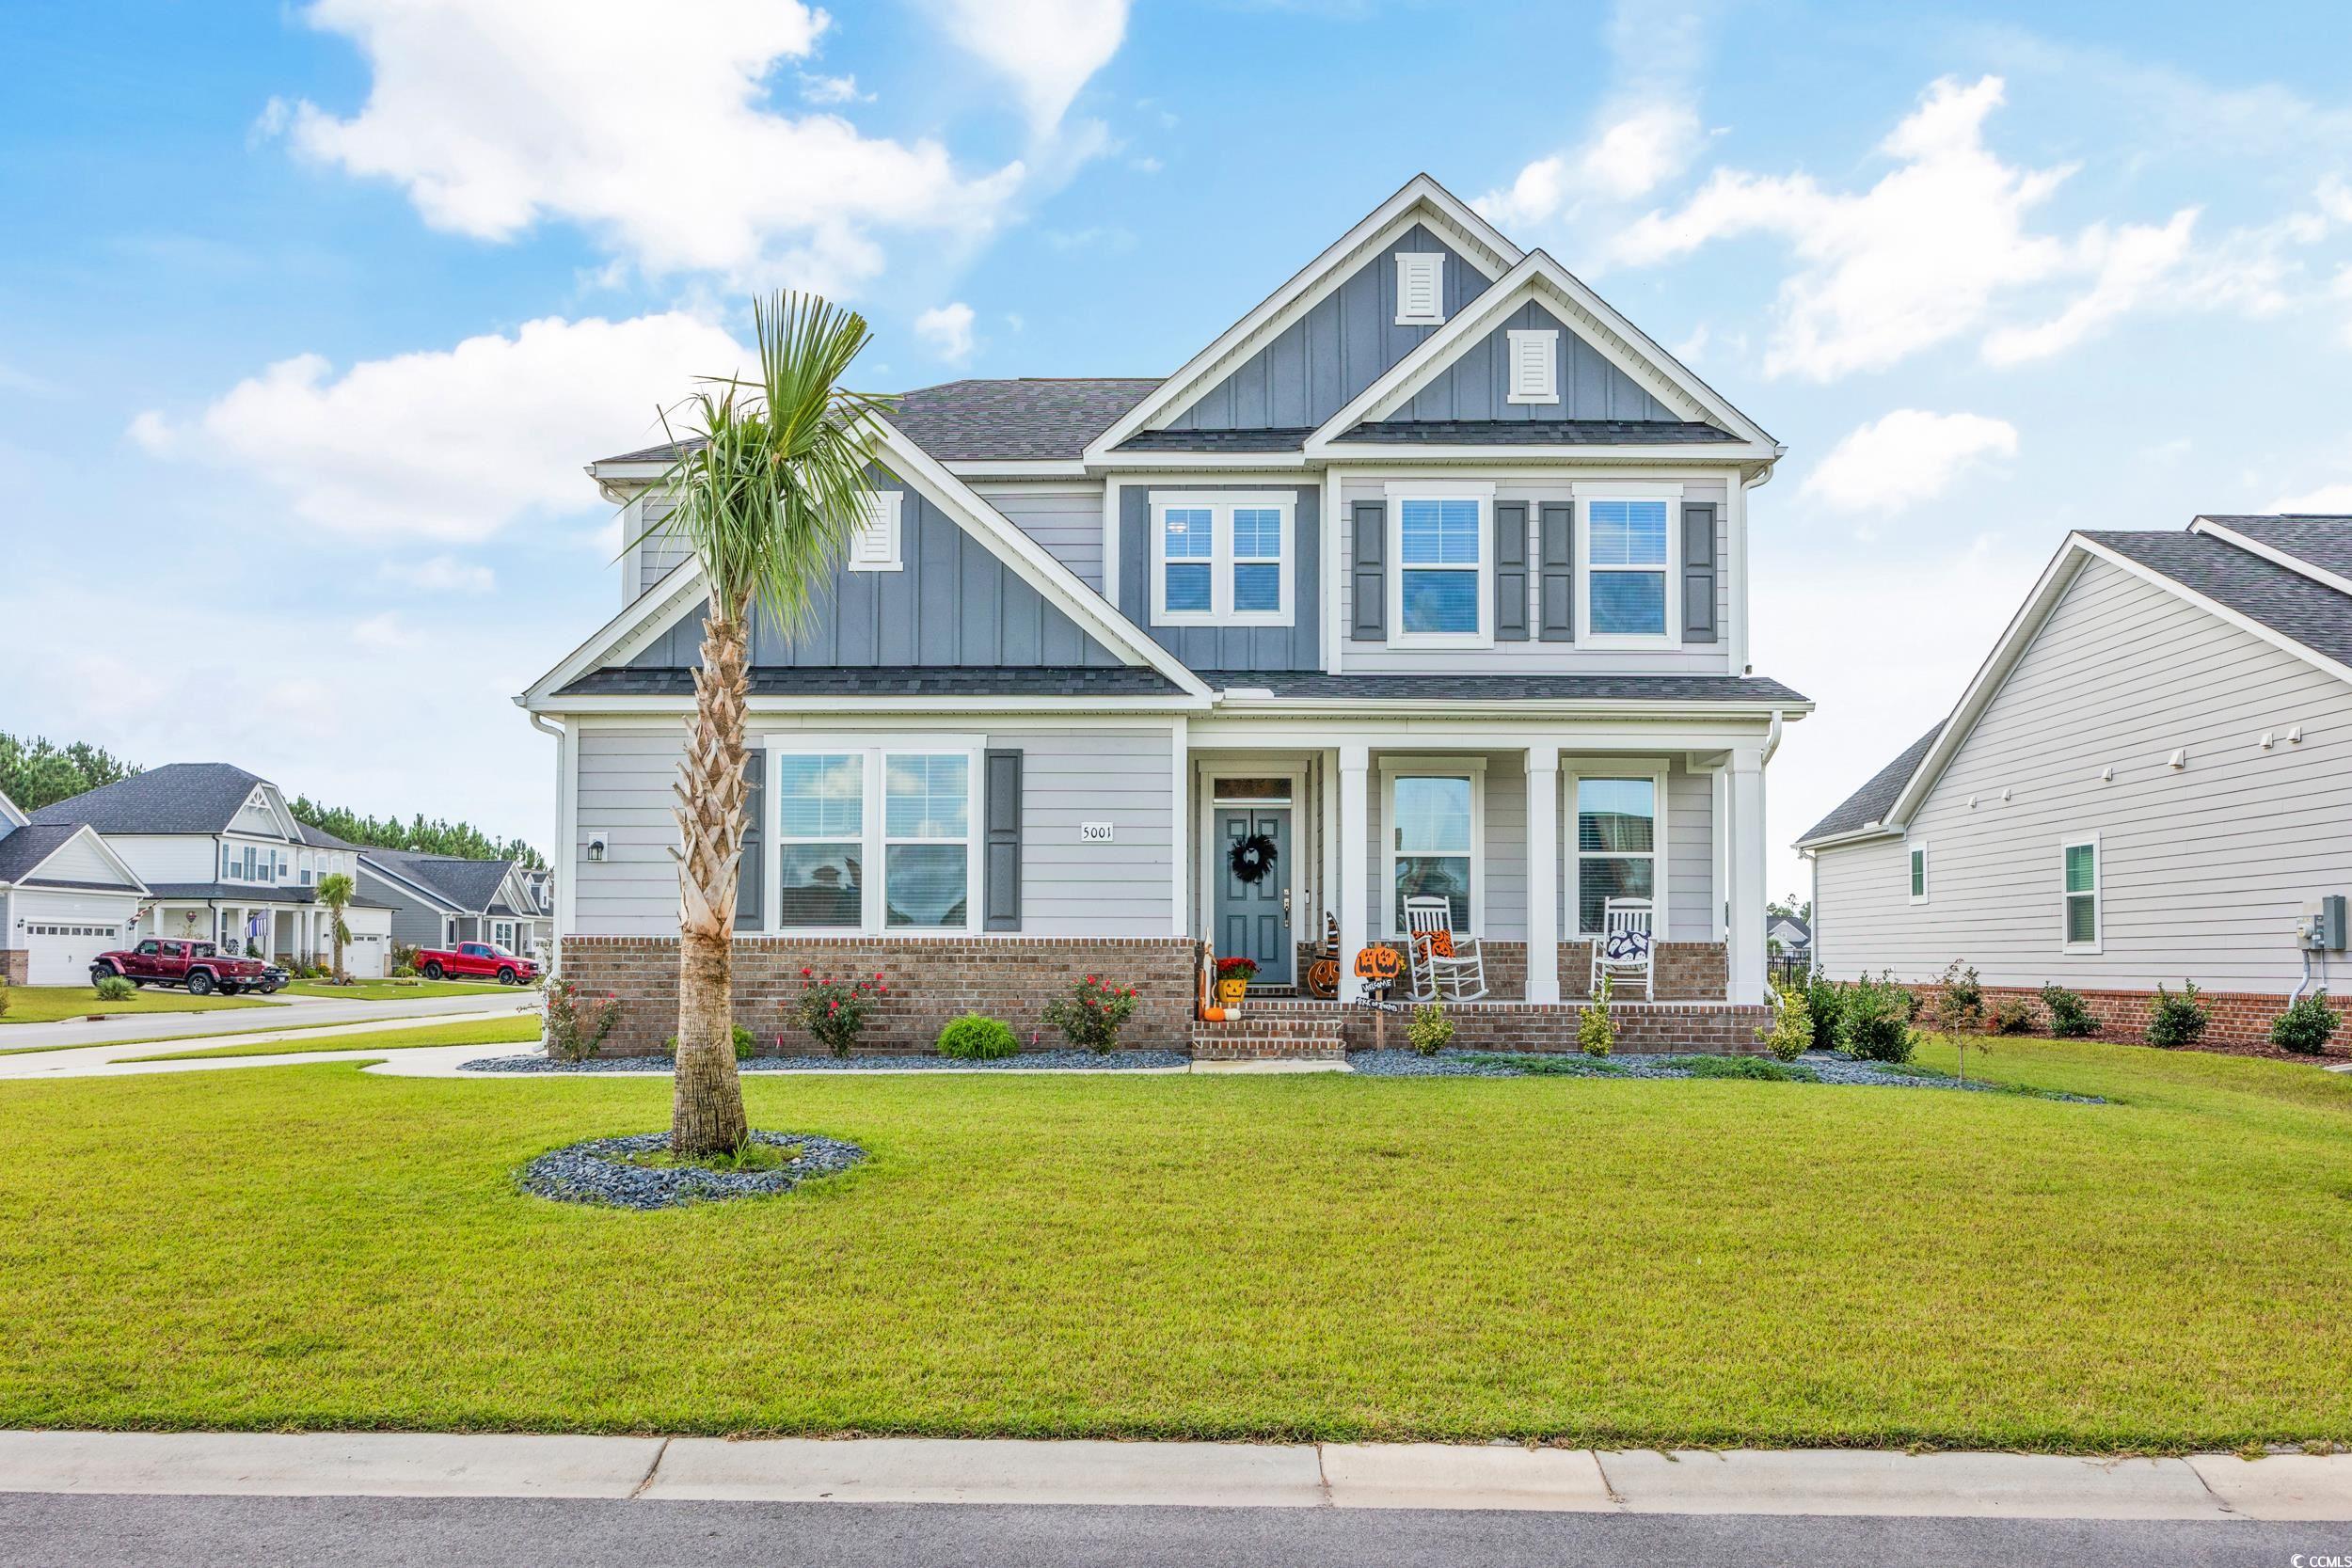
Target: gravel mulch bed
592, 1172
1822, 1066
1028, 1061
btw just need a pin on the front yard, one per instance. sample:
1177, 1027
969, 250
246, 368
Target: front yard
1606, 1262
395, 990
51, 1004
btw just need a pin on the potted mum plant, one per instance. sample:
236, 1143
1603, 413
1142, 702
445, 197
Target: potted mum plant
1233, 980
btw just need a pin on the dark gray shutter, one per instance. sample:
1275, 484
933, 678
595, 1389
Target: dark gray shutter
1510, 571
749, 913
1000, 863
1698, 574
1368, 585
1556, 572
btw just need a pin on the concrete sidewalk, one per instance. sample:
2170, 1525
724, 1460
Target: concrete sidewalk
121, 1059
1812, 1483
275, 1013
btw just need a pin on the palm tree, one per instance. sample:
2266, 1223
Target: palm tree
335, 893
771, 486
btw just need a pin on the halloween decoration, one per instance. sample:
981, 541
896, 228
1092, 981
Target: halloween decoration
1251, 857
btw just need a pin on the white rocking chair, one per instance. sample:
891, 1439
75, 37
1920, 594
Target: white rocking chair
1625, 947
1447, 964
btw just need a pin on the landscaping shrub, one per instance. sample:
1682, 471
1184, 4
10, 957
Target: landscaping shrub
403, 957
1874, 1020
2306, 1027
403, 971
1960, 1003
1430, 1031
2177, 1019
977, 1038
114, 988
4, 999
1791, 1033
2071, 1017
1092, 1014
2011, 1015
1825, 1002
746, 1045
1596, 1031
835, 1010
577, 1023
1754, 1067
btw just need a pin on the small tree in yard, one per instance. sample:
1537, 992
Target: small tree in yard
771, 487
1960, 1008
1791, 1033
1596, 1031
335, 893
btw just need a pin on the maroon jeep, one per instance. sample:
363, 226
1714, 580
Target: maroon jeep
197, 965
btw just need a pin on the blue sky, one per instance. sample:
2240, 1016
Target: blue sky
309, 315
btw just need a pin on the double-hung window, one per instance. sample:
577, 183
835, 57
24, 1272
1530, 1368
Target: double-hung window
2083, 928
1436, 821
1619, 828
1221, 559
1917, 863
1442, 581
872, 837
1628, 591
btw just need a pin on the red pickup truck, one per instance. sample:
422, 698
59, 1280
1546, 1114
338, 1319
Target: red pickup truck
480, 960
197, 965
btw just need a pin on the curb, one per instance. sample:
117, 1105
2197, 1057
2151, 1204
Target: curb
1814, 1482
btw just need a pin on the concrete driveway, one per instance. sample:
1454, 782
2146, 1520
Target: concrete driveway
282, 1012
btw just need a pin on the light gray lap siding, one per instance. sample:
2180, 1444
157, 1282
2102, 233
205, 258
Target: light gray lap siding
1477, 384
2205, 870
1342, 345
1297, 646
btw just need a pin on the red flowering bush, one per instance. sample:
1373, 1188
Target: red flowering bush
835, 1010
1092, 1014
577, 1023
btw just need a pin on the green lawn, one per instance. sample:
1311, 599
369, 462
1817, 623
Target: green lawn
396, 991
521, 1029
49, 1004
1610, 1261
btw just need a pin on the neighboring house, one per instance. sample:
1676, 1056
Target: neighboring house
1788, 936
65, 897
2149, 781
1432, 570
222, 859
440, 900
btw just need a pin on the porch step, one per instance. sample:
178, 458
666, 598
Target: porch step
1270, 1037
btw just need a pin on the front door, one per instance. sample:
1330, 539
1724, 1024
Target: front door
1253, 918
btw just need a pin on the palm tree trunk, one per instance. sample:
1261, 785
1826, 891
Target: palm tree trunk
707, 1116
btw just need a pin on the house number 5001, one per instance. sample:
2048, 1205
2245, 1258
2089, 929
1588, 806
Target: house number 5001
1094, 832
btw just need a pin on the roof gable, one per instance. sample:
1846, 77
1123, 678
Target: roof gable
178, 797
9, 815
1866, 807
466, 885
64, 854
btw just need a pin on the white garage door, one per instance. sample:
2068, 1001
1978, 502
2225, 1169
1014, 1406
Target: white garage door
61, 951
363, 956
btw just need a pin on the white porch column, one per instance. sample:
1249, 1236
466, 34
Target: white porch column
1543, 867
1744, 934
1355, 888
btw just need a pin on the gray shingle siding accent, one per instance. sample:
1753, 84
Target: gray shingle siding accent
1872, 802
1342, 345
954, 603
1068, 524
1296, 647
1476, 384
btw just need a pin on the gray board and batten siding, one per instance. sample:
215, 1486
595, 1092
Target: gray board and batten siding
1476, 385
952, 603
1297, 646
2204, 870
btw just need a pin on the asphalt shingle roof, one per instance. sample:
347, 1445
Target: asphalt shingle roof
1872, 802
1528, 433
889, 681
1028, 417
1281, 439
469, 884
179, 797
2325, 541
1531, 689
2277, 596
242, 893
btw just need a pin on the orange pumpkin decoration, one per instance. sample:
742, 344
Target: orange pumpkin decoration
1379, 963
1438, 942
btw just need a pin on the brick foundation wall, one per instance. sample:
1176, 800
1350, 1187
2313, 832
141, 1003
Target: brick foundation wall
1712, 1028
16, 966
2238, 1020
930, 981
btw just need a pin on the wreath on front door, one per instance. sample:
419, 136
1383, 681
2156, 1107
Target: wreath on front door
1251, 857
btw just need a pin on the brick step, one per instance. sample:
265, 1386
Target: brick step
1297, 1025
1268, 1047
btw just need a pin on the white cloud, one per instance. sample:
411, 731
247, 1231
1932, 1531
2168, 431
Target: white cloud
833, 90
2335, 500
440, 574
453, 444
1907, 457
2134, 263
948, 330
1046, 47
663, 144
1623, 159
384, 632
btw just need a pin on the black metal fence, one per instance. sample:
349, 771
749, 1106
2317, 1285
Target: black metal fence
1788, 968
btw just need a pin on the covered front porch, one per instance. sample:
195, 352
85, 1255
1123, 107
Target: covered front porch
1527, 830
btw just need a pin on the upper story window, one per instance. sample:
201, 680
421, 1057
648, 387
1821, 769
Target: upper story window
1534, 365
1440, 591
1628, 589
247, 862
874, 547
1420, 288
1221, 559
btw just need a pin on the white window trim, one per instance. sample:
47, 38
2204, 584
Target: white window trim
1587, 637
1220, 505
1927, 870
1393, 768
1546, 341
1573, 884
1398, 492
883, 510
873, 841
2098, 895
1408, 261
